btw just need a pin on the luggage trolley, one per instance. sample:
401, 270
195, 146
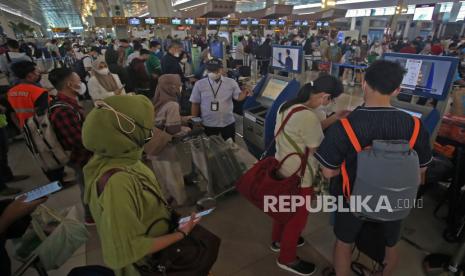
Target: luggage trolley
213, 165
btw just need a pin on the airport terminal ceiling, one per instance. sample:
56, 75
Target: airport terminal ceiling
49, 13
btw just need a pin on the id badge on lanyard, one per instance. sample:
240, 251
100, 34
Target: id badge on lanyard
215, 105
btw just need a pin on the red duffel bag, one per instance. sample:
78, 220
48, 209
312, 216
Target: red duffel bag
263, 179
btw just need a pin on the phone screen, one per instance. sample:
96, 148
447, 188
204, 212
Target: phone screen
42, 191
198, 215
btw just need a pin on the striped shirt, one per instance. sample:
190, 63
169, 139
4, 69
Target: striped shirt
374, 123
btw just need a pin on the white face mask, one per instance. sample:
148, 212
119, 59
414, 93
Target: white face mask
157, 51
180, 90
184, 60
103, 71
81, 90
214, 76
177, 55
331, 44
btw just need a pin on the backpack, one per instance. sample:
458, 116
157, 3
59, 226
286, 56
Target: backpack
79, 68
388, 168
42, 141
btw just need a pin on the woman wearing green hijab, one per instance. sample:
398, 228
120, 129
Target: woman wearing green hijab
124, 212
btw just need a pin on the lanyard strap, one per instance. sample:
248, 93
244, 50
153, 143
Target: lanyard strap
218, 89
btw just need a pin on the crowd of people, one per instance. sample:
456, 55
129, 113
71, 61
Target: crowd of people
158, 72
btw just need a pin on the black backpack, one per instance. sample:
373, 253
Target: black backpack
79, 68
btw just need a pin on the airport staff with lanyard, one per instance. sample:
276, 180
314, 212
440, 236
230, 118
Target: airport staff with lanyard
212, 100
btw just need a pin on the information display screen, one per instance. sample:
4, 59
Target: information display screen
149, 21
224, 22
427, 76
189, 21
287, 58
212, 21
273, 22
255, 22
244, 22
176, 21
134, 21
273, 88
423, 12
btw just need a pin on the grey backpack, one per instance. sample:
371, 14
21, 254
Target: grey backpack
387, 172
42, 141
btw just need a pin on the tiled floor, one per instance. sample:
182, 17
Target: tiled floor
245, 231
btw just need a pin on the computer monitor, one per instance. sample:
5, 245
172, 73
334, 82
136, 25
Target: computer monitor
287, 58
426, 76
272, 89
216, 49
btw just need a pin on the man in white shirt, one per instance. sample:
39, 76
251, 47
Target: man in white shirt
12, 56
212, 100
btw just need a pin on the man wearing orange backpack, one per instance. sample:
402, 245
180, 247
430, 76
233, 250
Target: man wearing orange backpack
375, 126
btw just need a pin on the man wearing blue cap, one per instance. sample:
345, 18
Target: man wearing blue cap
212, 100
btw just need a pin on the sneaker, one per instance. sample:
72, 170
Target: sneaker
89, 222
8, 191
299, 267
17, 178
275, 247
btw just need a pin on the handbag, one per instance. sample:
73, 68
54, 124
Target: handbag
263, 178
159, 141
193, 255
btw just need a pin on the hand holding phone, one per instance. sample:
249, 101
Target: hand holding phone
196, 217
41, 191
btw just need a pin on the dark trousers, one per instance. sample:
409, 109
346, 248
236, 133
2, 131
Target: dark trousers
15, 230
5, 172
225, 132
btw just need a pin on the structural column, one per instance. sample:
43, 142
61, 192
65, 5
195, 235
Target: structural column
353, 23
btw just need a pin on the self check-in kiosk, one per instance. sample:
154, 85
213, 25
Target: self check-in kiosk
428, 77
269, 94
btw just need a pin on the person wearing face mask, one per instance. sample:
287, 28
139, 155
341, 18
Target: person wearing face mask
27, 97
212, 100
168, 118
185, 65
153, 64
170, 62
364, 47
141, 81
67, 119
302, 132
377, 49
131, 201
103, 84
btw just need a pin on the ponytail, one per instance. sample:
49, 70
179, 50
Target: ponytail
323, 84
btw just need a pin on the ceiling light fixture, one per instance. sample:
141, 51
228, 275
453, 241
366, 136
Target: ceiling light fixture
307, 6
193, 6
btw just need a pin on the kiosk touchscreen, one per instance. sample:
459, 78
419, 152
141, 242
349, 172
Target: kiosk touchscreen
429, 77
426, 76
287, 58
255, 117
